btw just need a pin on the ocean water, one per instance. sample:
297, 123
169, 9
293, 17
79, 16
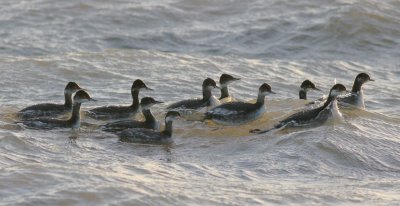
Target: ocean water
173, 45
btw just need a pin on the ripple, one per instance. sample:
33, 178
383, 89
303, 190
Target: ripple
173, 46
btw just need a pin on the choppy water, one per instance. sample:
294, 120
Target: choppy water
173, 45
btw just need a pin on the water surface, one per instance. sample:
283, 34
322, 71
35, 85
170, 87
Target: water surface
173, 46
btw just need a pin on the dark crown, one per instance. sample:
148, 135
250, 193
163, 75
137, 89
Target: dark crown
265, 88
138, 84
148, 101
209, 82
339, 87
72, 86
363, 77
80, 95
172, 114
225, 78
307, 84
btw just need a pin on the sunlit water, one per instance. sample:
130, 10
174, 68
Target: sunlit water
173, 45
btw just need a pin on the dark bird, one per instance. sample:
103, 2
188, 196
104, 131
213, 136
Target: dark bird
150, 121
50, 109
306, 86
240, 112
356, 97
116, 112
224, 81
207, 100
142, 135
320, 114
73, 122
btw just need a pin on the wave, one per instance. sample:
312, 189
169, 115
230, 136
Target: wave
256, 29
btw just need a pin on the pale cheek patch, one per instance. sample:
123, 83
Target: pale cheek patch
336, 93
68, 91
146, 107
81, 100
263, 93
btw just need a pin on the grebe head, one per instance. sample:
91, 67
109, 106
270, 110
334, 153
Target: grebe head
265, 89
337, 89
71, 88
148, 102
226, 79
209, 84
363, 77
81, 96
308, 85
171, 116
139, 85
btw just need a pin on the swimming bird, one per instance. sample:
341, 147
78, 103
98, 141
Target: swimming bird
224, 81
356, 97
52, 123
50, 109
115, 112
143, 135
320, 114
149, 123
207, 100
306, 86
240, 112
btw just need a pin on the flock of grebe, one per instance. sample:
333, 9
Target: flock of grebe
224, 110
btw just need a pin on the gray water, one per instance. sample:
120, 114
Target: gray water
173, 45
